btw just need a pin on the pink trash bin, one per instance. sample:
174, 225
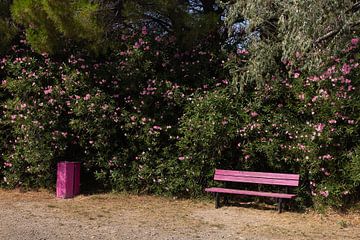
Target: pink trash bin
68, 179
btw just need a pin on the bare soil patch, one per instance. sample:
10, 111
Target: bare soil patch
40, 216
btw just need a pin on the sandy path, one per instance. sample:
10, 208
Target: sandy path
39, 216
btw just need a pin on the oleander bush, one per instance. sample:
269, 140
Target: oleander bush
305, 123
119, 116
159, 107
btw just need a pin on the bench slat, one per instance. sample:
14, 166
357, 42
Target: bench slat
257, 174
281, 182
250, 193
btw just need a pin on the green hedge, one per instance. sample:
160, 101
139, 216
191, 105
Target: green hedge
150, 118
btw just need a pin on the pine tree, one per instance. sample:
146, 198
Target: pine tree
7, 28
189, 20
53, 25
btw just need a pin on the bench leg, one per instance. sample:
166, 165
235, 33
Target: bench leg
226, 200
280, 205
217, 200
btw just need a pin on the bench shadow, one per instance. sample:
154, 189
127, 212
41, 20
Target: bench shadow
251, 205
258, 204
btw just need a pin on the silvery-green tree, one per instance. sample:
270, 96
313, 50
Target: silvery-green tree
279, 31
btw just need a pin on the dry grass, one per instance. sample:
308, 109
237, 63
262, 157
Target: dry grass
124, 216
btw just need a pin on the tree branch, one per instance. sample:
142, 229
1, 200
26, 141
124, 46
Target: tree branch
354, 8
167, 26
335, 32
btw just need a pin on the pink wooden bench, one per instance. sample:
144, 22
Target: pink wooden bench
278, 179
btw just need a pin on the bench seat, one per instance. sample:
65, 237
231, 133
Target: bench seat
283, 180
250, 193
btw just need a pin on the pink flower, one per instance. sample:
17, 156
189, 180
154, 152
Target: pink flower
7, 164
296, 75
324, 193
319, 127
314, 78
345, 69
87, 97
332, 121
48, 90
354, 41
242, 52
302, 96
327, 157
254, 114
181, 158
224, 122
144, 30
136, 45
247, 156
156, 127
226, 82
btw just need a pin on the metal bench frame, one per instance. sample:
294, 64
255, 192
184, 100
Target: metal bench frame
277, 179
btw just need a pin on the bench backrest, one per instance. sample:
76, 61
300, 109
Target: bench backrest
282, 179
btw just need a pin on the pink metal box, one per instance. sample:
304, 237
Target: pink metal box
68, 179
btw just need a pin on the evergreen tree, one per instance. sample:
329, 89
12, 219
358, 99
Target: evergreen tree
7, 28
53, 25
189, 20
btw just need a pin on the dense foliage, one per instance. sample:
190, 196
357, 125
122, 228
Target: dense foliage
152, 97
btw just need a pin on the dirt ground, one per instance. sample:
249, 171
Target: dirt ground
40, 216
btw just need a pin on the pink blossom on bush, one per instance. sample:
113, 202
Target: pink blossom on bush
319, 127
354, 41
302, 96
48, 90
324, 193
7, 164
346, 69
137, 45
327, 157
254, 114
144, 30
87, 97
314, 78
156, 127
158, 38
242, 52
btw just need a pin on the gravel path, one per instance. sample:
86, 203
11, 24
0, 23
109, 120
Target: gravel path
40, 216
